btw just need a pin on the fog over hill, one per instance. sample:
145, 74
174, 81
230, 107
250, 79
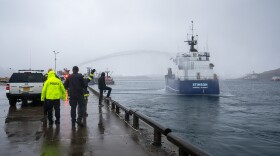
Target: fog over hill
266, 75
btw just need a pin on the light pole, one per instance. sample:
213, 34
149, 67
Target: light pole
55, 60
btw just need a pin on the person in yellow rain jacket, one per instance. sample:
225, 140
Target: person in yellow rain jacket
52, 92
86, 92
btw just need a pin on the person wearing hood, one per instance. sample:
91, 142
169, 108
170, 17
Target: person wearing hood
75, 85
102, 87
44, 119
52, 92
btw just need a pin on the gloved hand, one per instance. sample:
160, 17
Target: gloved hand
92, 71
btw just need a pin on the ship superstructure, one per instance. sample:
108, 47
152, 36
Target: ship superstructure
193, 73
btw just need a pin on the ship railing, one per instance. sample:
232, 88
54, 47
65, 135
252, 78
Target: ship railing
185, 148
195, 78
199, 59
200, 67
200, 54
207, 54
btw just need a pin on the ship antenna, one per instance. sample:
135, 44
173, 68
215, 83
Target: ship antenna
192, 42
192, 29
207, 48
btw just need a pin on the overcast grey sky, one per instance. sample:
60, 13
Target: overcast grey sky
242, 35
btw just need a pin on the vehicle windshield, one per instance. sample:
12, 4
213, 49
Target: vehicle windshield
27, 77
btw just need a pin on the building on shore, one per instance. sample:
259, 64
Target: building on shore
4, 79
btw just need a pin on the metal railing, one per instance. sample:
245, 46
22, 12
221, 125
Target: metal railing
195, 77
185, 148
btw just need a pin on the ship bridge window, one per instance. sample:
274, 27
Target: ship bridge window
198, 75
207, 54
192, 65
211, 65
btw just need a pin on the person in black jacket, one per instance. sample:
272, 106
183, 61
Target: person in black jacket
102, 87
75, 85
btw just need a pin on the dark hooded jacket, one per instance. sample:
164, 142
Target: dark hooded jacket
75, 85
101, 82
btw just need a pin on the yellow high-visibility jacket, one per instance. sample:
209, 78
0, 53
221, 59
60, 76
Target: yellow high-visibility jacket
53, 88
87, 80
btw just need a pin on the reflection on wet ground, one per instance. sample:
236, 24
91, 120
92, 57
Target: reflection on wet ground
51, 141
104, 133
100, 123
23, 129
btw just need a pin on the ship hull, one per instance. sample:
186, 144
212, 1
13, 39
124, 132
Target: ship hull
192, 87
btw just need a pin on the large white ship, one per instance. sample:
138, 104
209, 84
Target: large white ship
193, 73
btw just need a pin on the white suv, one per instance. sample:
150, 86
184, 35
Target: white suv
25, 85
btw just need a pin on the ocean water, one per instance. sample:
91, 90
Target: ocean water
243, 120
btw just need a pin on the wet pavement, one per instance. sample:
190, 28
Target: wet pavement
104, 133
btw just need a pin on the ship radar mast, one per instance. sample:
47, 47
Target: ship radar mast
107, 72
192, 42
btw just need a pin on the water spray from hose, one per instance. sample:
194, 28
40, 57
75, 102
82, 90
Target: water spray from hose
125, 53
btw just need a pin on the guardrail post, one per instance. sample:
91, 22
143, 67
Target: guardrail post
126, 116
182, 152
185, 148
135, 121
117, 109
113, 105
107, 101
157, 138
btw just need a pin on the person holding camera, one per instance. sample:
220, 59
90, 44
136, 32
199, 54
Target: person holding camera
86, 92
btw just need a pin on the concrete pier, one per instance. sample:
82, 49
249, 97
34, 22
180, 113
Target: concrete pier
104, 134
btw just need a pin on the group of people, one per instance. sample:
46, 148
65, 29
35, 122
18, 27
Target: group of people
76, 85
